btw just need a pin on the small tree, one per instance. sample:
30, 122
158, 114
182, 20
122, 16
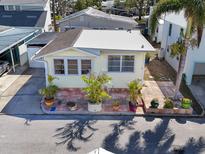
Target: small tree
95, 90
141, 6
80, 5
83, 4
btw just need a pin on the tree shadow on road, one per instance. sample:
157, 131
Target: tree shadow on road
78, 130
194, 146
157, 141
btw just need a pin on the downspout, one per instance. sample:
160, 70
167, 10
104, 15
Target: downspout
46, 69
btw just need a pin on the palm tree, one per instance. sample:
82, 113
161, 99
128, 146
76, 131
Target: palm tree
54, 15
194, 12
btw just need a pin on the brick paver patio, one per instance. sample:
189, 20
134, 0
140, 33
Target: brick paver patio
152, 89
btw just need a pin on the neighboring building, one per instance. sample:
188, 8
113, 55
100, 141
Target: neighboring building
157, 36
12, 44
26, 13
36, 44
107, 5
95, 19
120, 54
174, 24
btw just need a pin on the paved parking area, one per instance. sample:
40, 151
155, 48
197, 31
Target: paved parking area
22, 97
198, 90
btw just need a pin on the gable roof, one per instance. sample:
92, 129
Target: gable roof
100, 14
93, 41
23, 2
23, 18
62, 41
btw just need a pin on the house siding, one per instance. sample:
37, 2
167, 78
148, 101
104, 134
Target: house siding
95, 22
194, 56
99, 65
167, 41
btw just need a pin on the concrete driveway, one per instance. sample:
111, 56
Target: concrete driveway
22, 97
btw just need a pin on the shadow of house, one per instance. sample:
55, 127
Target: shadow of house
156, 141
78, 130
22, 96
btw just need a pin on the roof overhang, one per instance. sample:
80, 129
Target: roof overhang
90, 53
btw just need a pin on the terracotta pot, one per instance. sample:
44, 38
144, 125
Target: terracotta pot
49, 102
132, 107
116, 107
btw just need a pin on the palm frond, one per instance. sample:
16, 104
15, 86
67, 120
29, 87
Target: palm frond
195, 9
199, 34
164, 6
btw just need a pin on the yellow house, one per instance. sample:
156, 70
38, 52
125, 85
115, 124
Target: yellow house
118, 53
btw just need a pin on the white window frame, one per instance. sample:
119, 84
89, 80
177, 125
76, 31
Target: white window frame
66, 65
6, 7
54, 67
91, 65
121, 55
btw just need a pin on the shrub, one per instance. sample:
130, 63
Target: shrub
168, 104
135, 88
115, 103
186, 103
95, 87
154, 103
50, 91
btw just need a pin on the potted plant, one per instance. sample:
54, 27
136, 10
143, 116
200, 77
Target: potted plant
72, 106
49, 91
154, 103
135, 94
147, 58
186, 103
116, 105
95, 91
168, 104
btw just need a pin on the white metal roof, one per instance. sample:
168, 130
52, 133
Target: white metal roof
96, 13
113, 40
94, 41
